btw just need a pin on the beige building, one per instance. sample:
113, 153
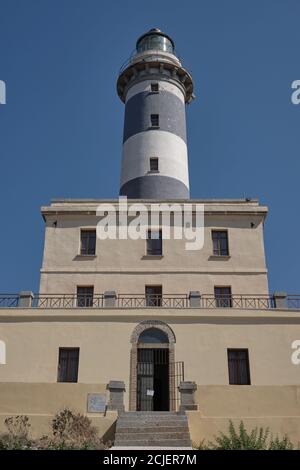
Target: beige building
147, 324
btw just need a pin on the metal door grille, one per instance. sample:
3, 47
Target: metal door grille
147, 360
176, 371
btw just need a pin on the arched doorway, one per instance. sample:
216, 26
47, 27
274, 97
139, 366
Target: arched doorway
152, 360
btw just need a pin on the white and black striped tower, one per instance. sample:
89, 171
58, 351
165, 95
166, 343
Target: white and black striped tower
155, 89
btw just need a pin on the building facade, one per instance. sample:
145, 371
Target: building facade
148, 314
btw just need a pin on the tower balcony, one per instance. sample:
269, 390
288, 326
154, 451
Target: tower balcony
111, 300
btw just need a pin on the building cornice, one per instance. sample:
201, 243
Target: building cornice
211, 206
152, 270
186, 315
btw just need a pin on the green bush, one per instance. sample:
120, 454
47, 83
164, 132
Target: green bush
281, 444
241, 439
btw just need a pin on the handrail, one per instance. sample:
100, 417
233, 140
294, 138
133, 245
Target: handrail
125, 301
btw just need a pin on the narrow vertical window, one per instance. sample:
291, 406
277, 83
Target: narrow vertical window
154, 242
238, 366
88, 242
223, 296
154, 120
220, 242
68, 361
154, 164
154, 87
153, 296
85, 296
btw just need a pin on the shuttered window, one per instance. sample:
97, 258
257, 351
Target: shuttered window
88, 242
68, 362
220, 242
223, 297
238, 366
85, 296
154, 243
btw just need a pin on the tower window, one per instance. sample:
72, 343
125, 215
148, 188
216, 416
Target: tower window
88, 242
85, 296
223, 297
153, 164
153, 296
154, 120
68, 361
238, 366
154, 243
154, 87
220, 242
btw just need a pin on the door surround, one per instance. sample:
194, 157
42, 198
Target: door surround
145, 325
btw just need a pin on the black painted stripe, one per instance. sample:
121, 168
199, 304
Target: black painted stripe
169, 107
155, 187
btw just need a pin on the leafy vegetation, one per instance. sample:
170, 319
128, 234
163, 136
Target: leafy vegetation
241, 439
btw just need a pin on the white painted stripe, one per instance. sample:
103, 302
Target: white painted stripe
170, 149
145, 85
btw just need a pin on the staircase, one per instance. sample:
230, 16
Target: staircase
152, 429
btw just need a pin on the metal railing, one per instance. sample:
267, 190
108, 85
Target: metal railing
156, 56
293, 301
9, 300
129, 301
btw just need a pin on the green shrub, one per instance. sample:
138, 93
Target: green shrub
281, 444
241, 439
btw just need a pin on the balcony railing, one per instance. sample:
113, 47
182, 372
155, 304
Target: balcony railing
133, 301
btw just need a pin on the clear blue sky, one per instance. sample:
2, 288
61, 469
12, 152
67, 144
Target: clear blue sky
61, 129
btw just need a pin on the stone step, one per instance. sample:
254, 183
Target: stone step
154, 443
144, 429
152, 424
157, 436
151, 413
153, 418
151, 429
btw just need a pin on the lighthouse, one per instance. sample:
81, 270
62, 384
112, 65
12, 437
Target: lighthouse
155, 89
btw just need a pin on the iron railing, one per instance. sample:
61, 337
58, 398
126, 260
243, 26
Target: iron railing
129, 301
156, 56
293, 301
9, 300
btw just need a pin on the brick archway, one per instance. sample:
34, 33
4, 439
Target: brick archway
134, 339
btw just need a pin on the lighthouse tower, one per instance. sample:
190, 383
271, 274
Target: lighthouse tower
155, 89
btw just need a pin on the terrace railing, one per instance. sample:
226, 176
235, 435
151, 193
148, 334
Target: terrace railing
136, 301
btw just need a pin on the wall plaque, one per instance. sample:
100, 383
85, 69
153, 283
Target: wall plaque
96, 402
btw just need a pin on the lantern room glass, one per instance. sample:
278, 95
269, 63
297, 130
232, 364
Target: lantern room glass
155, 42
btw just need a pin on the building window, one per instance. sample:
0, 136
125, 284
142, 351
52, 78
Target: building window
88, 242
238, 366
68, 361
85, 296
223, 296
153, 296
154, 242
220, 242
154, 164
154, 87
154, 120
